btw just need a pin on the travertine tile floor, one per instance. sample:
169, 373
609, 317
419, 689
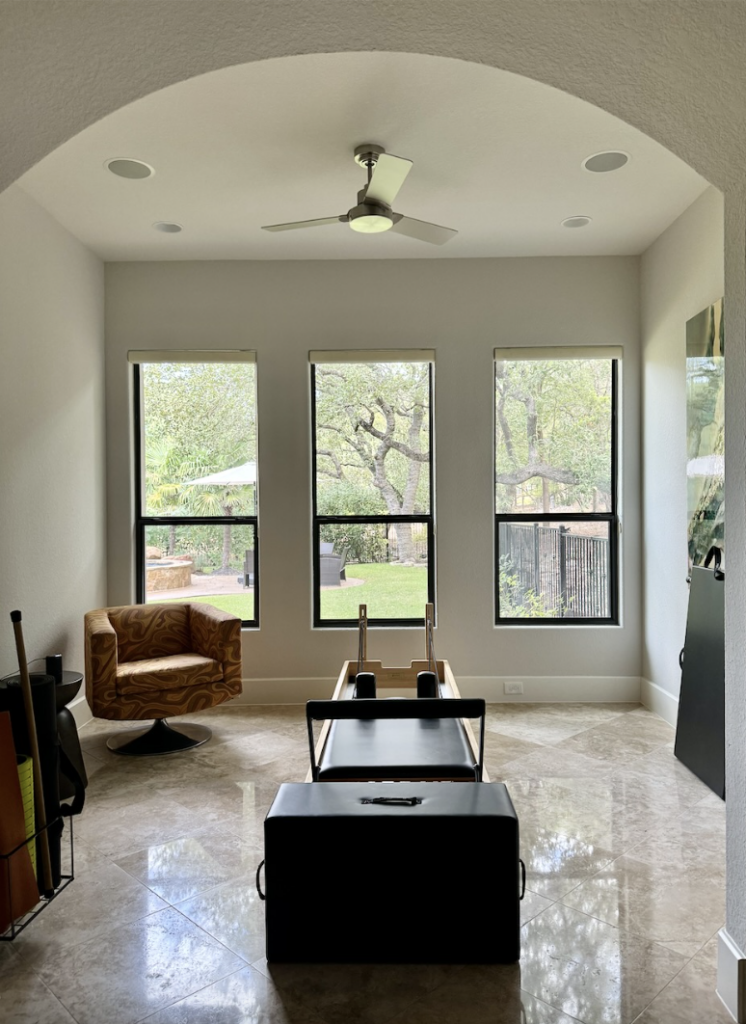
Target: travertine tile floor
624, 850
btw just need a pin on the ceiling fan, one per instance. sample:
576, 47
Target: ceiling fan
373, 213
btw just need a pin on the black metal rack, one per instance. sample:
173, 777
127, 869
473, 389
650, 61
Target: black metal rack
18, 925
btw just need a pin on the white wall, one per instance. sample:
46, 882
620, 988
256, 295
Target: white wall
52, 494
681, 274
462, 309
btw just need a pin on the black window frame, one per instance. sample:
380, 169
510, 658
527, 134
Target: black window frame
143, 521
428, 520
611, 517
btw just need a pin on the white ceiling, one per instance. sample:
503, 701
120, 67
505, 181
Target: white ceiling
496, 156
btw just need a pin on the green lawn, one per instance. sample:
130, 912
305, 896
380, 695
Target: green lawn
389, 591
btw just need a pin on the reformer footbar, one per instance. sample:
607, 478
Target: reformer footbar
421, 739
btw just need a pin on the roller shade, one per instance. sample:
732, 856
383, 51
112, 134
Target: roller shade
511, 355
192, 356
374, 355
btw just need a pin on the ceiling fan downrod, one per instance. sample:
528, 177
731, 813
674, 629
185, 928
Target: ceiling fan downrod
369, 216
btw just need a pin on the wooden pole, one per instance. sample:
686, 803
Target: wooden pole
429, 613
46, 886
362, 644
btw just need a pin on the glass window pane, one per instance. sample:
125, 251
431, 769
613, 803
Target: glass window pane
553, 436
381, 565
554, 570
212, 564
372, 439
199, 439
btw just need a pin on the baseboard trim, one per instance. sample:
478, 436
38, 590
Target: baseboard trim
285, 691
536, 689
80, 711
553, 689
731, 983
656, 699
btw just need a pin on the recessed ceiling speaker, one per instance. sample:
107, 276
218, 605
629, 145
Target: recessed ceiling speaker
575, 222
132, 169
611, 160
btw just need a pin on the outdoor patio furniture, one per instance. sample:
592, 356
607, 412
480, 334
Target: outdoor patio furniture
247, 580
158, 660
331, 566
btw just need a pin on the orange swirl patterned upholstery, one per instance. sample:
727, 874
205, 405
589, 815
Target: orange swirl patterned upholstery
159, 660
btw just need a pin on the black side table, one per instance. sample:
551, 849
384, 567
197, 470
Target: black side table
68, 689
73, 778
72, 774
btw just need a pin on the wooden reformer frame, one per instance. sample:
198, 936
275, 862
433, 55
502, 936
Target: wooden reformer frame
398, 682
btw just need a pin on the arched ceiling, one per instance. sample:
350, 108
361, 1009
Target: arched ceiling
496, 155
673, 68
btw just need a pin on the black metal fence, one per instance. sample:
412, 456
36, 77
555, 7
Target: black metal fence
552, 572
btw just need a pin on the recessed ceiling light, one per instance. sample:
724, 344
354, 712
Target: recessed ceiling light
167, 227
611, 160
129, 168
576, 222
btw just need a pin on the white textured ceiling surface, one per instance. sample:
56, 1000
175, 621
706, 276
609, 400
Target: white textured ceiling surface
496, 156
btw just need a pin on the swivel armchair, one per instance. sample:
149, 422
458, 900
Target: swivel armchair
157, 660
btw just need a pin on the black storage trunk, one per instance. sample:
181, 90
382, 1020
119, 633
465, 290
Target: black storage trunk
349, 881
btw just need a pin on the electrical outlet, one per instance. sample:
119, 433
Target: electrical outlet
514, 687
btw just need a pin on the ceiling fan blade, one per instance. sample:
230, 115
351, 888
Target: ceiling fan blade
422, 229
388, 177
305, 223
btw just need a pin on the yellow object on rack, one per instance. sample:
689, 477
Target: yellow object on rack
26, 779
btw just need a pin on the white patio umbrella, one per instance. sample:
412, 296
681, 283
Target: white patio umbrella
706, 465
238, 476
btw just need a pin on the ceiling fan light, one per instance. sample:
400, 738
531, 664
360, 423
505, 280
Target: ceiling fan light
371, 223
370, 218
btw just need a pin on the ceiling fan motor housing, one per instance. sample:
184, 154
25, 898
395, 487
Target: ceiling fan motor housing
369, 217
367, 154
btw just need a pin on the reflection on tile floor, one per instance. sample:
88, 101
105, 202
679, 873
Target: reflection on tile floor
624, 850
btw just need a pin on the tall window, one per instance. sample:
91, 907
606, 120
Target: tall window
373, 486
196, 479
556, 523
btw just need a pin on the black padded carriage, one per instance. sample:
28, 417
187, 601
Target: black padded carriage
397, 739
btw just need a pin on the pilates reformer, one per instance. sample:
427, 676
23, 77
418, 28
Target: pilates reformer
427, 736
375, 845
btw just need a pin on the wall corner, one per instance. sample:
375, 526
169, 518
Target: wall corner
731, 983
